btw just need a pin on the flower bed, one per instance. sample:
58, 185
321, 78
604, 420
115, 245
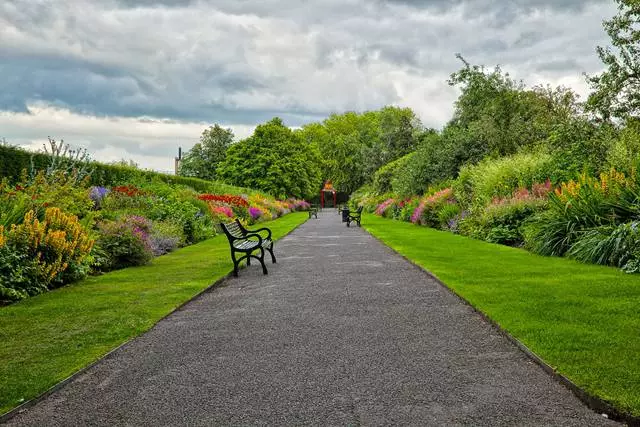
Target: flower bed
56, 229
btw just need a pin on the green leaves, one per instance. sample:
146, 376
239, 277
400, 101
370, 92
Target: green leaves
203, 159
617, 89
276, 160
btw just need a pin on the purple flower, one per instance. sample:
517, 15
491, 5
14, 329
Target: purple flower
255, 212
96, 194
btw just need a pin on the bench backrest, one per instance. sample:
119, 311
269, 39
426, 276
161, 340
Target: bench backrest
232, 230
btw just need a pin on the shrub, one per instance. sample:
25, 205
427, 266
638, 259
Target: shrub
37, 254
491, 178
383, 177
124, 243
165, 237
17, 273
428, 210
578, 206
384, 207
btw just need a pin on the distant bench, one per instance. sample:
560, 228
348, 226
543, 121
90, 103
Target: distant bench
355, 217
246, 242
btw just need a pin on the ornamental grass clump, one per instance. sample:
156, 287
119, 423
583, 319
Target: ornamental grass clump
578, 206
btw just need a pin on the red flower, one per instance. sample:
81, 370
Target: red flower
19, 188
224, 198
127, 190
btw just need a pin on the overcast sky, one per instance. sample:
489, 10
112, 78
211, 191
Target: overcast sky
136, 79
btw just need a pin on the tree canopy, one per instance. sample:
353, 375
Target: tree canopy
616, 91
203, 159
274, 159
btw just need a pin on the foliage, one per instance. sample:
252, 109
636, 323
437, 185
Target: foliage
165, 237
624, 151
434, 209
616, 91
353, 146
125, 242
15, 162
504, 116
579, 146
74, 162
41, 252
383, 177
609, 245
49, 338
275, 160
503, 219
493, 178
203, 159
578, 206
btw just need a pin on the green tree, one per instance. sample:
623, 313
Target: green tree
274, 159
203, 159
617, 89
353, 146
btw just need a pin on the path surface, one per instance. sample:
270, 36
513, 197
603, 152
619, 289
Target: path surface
341, 332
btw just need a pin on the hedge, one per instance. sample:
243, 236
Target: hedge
14, 160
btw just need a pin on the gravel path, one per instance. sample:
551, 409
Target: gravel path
341, 332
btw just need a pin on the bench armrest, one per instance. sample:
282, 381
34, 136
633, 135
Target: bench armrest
260, 230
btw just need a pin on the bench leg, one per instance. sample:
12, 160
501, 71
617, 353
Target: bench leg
235, 263
261, 259
273, 257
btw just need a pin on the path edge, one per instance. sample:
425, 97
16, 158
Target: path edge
595, 403
32, 402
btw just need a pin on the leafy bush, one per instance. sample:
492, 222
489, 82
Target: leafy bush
491, 178
124, 243
578, 206
17, 271
502, 220
165, 237
37, 254
382, 179
385, 208
625, 150
428, 211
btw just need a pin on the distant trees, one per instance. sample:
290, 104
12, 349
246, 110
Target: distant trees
203, 159
274, 159
353, 146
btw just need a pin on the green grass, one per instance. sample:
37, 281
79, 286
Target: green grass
583, 320
46, 338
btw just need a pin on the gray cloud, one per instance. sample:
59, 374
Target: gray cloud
242, 62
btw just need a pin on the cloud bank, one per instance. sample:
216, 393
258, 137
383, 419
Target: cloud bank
136, 79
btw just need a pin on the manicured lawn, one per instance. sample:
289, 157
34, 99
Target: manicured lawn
582, 319
47, 338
